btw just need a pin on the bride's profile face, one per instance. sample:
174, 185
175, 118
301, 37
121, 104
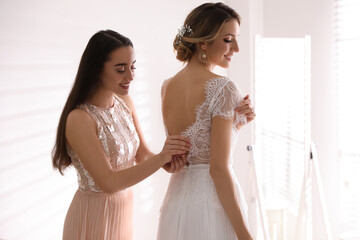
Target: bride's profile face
224, 46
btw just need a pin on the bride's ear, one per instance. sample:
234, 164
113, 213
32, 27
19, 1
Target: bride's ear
202, 46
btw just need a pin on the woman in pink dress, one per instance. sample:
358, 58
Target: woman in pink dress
99, 134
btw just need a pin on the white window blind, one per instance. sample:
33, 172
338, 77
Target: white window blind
347, 62
282, 98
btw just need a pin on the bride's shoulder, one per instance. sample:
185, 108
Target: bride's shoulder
164, 86
218, 82
167, 81
221, 86
170, 81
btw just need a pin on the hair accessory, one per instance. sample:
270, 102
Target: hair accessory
182, 31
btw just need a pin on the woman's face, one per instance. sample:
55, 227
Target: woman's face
118, 71
220, 51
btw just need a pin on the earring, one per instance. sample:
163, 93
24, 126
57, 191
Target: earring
203, 56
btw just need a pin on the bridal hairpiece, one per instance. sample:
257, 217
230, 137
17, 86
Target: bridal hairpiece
182, 31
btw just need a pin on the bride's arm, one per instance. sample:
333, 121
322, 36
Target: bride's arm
220, 148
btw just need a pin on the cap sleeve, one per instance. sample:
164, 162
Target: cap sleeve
226, 98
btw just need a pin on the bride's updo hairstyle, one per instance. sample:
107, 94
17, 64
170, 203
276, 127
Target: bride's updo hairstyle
202, 25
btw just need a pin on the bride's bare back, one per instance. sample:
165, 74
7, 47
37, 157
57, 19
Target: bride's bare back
180, 97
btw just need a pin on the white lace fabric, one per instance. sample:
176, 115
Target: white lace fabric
221, 98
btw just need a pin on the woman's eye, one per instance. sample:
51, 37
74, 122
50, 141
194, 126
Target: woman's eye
227, 40
120, 70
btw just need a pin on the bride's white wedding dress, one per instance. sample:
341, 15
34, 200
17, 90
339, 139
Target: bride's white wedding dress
191, 209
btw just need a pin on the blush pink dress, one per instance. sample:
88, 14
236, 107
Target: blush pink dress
94, 214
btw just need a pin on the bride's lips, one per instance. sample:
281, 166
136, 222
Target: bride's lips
228, 57
125, 85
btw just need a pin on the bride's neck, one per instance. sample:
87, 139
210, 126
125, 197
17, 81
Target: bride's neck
195, 65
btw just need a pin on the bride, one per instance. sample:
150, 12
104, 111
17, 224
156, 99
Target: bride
204, 200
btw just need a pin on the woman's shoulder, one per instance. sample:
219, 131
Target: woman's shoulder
79, 117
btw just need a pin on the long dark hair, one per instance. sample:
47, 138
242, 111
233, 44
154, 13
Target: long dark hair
97, 51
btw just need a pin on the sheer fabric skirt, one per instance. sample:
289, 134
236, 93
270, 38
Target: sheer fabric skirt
192, 210
94, 215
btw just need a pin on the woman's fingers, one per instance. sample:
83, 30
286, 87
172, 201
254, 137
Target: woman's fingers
246, 111
246, 108
178, 138
176, 142
184, 159
173, 167
176, 149
176, 152
180, 161
243, 105
250, 114
177, 146
177, 163
168, 167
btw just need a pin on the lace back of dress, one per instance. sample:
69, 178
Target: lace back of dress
199, 132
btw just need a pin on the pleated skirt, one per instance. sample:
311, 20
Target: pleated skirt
98, 216
192, 210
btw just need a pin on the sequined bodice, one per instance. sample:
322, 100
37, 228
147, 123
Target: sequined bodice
118, 137
221, 98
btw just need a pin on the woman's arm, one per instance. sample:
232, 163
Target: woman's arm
81, 135
220, 148
144, 151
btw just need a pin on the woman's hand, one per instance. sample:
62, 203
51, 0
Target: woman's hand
177, 163
247, 109
174, 147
